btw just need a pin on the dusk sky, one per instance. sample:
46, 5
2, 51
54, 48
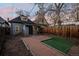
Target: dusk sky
8, 9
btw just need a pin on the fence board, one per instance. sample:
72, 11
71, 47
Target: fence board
68, 31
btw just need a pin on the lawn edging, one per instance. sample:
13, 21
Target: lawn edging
28, 48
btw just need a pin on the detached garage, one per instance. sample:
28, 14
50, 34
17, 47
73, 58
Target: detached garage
21, 25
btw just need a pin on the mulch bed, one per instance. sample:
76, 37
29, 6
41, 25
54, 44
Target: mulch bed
15, 47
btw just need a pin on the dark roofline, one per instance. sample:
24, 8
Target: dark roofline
15, 20
3, 21
18, 20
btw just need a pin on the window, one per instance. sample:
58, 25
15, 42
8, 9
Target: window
24, 18
17, 29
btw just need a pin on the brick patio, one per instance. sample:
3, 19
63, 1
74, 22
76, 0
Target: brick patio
39, 49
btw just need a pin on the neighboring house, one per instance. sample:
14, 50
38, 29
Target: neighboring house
40, 20
4, 26
22, 25
3, 23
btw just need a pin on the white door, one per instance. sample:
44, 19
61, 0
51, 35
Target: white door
25, 30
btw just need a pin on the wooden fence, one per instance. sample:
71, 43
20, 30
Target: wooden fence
65, 30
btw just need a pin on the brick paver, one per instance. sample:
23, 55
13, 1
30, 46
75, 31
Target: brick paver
39, 49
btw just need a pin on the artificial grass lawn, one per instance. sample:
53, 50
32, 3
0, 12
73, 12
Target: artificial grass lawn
59, 43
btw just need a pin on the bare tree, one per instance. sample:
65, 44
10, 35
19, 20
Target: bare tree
40, 19
57, 8
22, 12
76, 11
53, 17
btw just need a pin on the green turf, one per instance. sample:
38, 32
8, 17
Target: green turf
59, 43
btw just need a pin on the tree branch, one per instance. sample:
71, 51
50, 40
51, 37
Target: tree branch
61, 5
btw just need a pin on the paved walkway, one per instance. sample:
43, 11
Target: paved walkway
39, 49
